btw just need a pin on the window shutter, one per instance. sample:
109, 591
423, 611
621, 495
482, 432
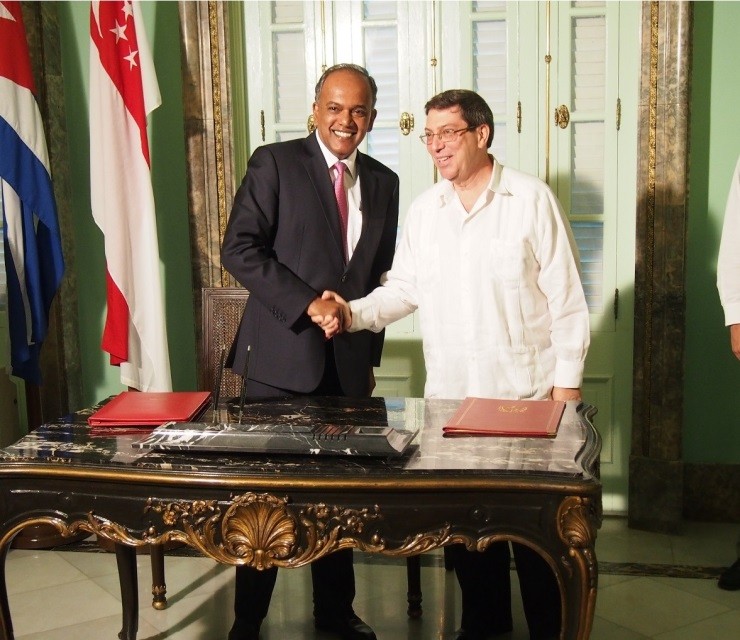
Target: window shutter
380, 44
489, 61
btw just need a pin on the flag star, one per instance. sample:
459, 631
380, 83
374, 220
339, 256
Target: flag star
120, 31
127, 9
131, 59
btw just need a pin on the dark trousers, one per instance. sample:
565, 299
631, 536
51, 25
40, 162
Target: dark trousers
486, 590
333, 579
333, 576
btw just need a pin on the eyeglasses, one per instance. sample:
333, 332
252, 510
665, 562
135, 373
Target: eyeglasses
447, 135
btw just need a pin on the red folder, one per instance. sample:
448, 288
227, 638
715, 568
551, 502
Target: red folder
149, 408
493, 417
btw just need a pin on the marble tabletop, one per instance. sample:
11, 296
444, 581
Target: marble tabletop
572, 454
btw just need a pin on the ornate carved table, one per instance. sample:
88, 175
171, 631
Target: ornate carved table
267, 510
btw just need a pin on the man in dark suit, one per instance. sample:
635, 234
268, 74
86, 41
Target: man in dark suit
287, 241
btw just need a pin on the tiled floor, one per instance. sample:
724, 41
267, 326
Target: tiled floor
75, 596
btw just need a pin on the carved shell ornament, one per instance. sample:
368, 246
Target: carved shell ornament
577, 527
260, 531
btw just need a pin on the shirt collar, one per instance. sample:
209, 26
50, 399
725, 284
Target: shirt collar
331, 159
495, 184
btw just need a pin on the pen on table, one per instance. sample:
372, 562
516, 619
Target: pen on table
217, 383
243, 395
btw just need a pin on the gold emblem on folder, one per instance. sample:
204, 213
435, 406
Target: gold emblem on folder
512, 408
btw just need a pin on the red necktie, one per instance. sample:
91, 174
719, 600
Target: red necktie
341, 195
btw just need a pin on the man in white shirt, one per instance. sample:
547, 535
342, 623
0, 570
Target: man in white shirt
488, 258
728, 283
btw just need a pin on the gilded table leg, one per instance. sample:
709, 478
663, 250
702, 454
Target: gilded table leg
6, 625
126, 559
578, 520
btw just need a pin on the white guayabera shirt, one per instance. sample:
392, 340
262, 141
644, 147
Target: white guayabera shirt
501, 305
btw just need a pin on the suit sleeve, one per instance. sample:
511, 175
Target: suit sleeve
247, 251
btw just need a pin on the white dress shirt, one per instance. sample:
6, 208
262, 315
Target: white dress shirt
352, 188
728, 263
501, 305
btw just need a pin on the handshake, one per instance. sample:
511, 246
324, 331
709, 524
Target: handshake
331, 313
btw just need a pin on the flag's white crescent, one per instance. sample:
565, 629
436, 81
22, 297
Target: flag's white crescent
5, 14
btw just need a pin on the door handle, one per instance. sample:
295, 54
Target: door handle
562, 116
406, 123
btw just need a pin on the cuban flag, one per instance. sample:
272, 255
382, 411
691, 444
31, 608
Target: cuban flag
123, 91
33, 250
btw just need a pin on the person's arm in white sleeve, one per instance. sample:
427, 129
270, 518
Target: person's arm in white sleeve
396, 297
560, 281
728, 262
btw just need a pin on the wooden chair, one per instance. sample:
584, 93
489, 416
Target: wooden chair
221, 312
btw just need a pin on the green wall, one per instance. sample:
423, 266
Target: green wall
170, 195
712, 382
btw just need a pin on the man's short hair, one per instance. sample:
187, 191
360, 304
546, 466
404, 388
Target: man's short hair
346, 66
473, 109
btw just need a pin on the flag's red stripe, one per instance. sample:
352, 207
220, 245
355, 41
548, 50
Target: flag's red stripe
125, 76
115, 333
15, 63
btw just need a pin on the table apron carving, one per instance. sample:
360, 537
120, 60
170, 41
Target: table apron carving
263, 530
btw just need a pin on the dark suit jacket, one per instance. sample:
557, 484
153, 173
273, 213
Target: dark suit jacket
282, 243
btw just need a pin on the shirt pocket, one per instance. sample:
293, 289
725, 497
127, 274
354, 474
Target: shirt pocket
508, 262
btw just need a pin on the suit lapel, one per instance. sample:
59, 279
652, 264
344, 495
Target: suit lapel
368, 188
372, 214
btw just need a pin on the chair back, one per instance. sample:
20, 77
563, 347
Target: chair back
222, 309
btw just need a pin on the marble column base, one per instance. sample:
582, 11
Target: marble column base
656, 494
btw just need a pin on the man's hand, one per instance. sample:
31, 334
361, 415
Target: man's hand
335, 297
735, 339
328, 314
331, 313
564, 393
337, 323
